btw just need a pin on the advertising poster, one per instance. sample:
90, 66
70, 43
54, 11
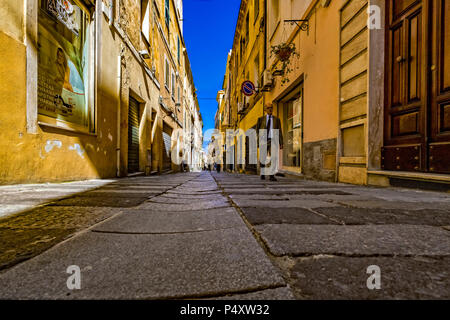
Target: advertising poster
63, 62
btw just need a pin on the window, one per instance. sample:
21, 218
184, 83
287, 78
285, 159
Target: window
145, 7
256, 6
173, 85
275, 16
247, 29
178, 48
167, 74
65, 97
256, 74
167, 13
178, 100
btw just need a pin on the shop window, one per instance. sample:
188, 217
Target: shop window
65, 97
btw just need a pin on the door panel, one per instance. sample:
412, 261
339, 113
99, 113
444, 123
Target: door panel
399, 6
405, 131
397, 66
414, 57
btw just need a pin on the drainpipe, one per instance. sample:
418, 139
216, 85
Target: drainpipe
119, 94
265, 34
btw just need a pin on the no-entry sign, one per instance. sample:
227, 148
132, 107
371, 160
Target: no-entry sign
248, 88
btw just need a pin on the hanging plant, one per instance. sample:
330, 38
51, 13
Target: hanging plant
284, 52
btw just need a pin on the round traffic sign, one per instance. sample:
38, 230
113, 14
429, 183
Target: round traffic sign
248, 88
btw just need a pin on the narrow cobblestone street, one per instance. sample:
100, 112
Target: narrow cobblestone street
220, 235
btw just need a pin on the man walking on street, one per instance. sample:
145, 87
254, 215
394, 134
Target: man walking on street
270, 123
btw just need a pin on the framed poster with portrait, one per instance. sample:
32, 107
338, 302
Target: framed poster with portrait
63, 65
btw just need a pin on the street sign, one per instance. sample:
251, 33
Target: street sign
248, 88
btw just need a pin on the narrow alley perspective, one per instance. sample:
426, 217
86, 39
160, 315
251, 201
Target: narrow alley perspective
185, 153
228, 236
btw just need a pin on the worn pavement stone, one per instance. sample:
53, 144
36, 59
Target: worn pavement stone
387, 216
284, 203
144, 221
355, 240
258, 216
283, 293
346, 278
383, 204
106, 201
193, 206
118, 266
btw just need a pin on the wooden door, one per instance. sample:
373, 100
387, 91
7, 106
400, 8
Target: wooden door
406, 111
439, 148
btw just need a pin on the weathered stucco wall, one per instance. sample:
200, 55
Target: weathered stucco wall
319, 65
52, 154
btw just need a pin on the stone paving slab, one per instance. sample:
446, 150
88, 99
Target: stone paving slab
383, 204
145, 267
257, 216
137, 187
17, 245
188, 201
240, 197
118, 192
355, 240
283, 293
192, 197
144, 221
352, 216
195, 190
193, 206
266, 191
142, 195
27, 234
284, 204
181, 192
50, 217
114, 202
346, 278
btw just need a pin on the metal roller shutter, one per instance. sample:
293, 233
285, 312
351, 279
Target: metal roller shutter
133, 136
167, 142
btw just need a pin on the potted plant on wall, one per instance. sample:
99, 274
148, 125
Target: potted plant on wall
283, 52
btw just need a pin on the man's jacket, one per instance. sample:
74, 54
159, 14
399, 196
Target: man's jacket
276, 124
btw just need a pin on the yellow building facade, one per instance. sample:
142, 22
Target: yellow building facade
350, 110
80, 90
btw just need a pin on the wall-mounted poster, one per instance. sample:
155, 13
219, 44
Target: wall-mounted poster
63, 62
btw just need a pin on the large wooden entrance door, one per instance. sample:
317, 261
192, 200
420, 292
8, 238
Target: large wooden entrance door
417, 127
439, 148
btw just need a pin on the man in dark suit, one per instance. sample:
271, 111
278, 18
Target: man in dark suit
269, 122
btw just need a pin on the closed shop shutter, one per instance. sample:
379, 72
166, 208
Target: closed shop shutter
167, 143
133, 136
